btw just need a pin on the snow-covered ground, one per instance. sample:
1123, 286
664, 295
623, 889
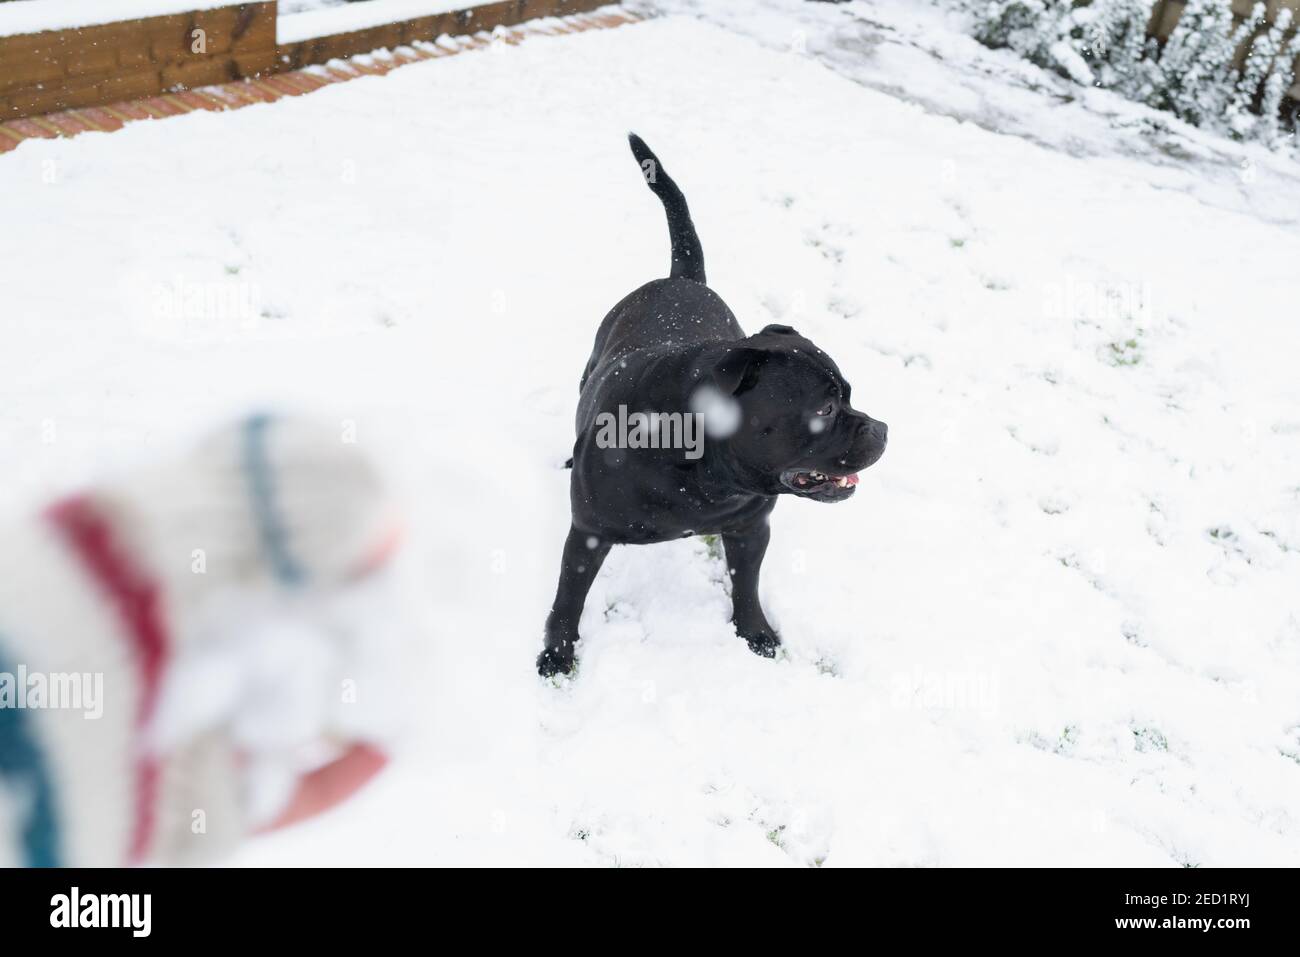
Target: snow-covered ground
1058, 622
303, 6
920, 51
33, 16
303, 19
299, 19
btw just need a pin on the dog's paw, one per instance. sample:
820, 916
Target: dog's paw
555, 661
763, 642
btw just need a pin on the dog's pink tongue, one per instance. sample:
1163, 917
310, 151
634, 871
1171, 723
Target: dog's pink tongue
852, 479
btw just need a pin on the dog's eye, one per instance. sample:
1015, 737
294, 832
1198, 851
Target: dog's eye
827, 409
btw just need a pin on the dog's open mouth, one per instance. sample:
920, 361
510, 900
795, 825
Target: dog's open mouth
820, 485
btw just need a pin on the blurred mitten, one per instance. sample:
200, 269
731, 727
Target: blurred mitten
175, 648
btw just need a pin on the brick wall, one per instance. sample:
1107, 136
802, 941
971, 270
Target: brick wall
89, 66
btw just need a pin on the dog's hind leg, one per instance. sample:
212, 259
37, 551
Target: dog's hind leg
584, 553
745, 547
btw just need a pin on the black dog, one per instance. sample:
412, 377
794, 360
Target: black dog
780, 423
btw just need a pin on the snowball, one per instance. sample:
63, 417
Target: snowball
722, 413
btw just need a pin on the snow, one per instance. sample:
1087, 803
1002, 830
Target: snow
1057, 624
322, 18
33, 16
1072, 63
302, 6
920, 52
298, 20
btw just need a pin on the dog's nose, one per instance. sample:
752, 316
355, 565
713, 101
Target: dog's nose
871, 439
875, 430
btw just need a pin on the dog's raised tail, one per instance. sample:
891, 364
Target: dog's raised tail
688, 255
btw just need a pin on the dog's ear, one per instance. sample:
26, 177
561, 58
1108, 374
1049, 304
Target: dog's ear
776, 329
738, 369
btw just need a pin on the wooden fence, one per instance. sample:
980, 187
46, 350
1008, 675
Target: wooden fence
93, 65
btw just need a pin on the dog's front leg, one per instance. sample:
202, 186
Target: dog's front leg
584, 553
745, 547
